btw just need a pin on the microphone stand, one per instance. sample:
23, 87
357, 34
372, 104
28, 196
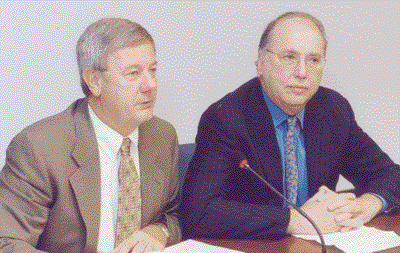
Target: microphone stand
244, 164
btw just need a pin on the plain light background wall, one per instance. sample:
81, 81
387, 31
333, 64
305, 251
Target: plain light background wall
205, 50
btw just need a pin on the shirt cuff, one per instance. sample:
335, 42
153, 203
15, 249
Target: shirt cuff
385, 204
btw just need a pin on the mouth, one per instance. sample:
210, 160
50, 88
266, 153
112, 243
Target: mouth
297, 88
145, 104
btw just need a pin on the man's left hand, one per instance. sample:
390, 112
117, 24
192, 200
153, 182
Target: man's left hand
350, 212
148, 239
356, 213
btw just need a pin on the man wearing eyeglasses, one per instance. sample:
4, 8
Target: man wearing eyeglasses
298, 136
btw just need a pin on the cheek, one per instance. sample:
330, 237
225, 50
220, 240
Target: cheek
275, 75
280, 79
316, 79
124, 97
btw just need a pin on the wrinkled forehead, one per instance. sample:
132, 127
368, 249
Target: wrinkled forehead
297, 34
115, 49
140, 53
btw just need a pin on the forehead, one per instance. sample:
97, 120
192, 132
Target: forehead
297, 34
136, 54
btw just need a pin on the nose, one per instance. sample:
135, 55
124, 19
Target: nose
301, 69
148, 82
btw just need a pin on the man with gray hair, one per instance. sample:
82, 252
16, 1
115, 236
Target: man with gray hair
102, 175
294, 133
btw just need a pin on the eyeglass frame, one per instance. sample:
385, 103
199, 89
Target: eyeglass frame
293, 65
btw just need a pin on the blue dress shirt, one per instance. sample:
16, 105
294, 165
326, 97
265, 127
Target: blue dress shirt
279, 118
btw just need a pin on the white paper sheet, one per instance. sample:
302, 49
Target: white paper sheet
193, 246
364, 239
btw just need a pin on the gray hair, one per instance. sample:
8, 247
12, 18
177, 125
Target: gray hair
102, 37
266, 34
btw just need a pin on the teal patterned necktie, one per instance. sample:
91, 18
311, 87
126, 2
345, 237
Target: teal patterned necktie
291, 170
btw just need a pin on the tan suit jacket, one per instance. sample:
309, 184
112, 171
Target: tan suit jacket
50, 184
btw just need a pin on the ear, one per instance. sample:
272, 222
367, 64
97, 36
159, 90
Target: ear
93, 80
259, 61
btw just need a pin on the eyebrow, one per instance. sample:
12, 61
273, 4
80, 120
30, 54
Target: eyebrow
294, 52
138, 65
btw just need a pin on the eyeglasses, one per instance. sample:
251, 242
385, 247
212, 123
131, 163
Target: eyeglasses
291, 60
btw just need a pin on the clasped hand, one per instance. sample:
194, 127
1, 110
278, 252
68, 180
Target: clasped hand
334, 212
148, 239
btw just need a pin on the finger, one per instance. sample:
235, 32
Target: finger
149, 248
126, 246
323, 189
139, 247
352, 208
356, 222
122, 249
158, 247
335, 204
322, 194
348, 195
341, 200
347, 229
343, 216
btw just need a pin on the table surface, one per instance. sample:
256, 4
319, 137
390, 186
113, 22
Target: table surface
292, 244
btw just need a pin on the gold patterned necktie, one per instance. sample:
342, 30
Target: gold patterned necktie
129, 199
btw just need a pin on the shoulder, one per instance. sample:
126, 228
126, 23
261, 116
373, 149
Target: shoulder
330, 109
330, 101
158, 125
235, 102
240, 95
326, 94
157, 128
49, 132
43, 150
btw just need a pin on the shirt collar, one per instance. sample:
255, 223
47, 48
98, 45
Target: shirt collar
279, 116
109, 135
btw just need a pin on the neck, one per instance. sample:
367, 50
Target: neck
122, 126
291, 110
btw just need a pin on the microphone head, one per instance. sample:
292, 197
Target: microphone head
241, 159
243, 163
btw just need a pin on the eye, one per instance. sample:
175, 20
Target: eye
154, 69
288, 57
314, 60
133, 73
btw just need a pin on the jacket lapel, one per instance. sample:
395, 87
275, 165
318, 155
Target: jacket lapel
317, 138
86, 180
262, 135
152, 178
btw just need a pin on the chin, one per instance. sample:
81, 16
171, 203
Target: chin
144, 116
297, 102
300, 99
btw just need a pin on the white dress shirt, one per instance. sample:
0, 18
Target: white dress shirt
109, 143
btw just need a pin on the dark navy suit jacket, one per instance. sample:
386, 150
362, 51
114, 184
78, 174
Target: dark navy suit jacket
221, 200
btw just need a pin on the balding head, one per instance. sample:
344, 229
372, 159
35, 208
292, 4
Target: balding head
269, 30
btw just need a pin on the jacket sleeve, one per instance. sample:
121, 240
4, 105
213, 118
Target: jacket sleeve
171, 214
207, 211
368, 167
25, 197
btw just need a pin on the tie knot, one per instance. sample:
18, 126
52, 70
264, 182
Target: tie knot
292, 122
126, 146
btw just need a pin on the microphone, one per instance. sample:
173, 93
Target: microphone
244, 165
